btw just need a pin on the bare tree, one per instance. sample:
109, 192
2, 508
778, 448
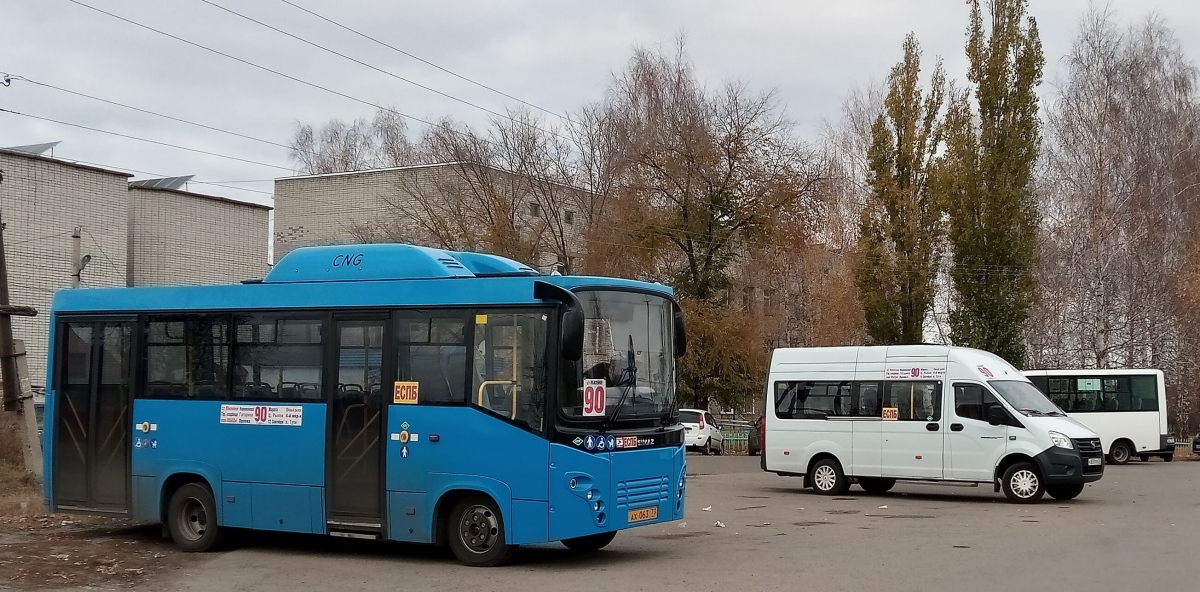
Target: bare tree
1118, 188
339, 146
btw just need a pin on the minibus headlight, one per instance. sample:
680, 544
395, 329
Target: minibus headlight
1061, 441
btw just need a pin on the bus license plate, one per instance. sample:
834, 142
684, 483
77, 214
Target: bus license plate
1093, 461
643, 514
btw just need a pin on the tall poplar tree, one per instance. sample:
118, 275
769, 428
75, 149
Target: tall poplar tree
991, 148
901, 230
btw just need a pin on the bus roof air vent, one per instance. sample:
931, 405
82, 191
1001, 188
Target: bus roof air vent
483, 265
366, 262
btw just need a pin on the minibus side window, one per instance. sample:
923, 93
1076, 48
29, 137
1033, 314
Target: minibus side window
867, 394
972, 401
813, 400
914, 401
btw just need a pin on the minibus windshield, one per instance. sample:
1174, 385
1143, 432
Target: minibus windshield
1026, 398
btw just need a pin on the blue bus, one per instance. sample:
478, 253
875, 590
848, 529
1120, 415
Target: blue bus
380, 391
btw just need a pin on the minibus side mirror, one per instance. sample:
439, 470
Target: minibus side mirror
996, 416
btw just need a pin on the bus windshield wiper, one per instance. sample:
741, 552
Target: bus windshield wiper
1031, 412
628, 378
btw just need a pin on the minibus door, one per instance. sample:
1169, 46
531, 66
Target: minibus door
912, 430
973, 446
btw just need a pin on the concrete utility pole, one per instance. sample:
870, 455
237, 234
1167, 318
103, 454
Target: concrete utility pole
17, 397
76, 268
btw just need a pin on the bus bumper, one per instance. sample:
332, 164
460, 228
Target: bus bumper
1062, 466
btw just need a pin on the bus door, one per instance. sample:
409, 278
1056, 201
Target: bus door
91, 417
357, 403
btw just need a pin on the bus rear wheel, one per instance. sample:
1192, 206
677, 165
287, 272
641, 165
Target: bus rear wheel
1065, 492
476, 533
1119, 453
192, 519
590, 543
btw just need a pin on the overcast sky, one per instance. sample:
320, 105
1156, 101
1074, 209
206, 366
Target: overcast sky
557, 55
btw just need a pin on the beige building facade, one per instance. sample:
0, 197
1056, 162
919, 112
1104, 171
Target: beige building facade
130, 236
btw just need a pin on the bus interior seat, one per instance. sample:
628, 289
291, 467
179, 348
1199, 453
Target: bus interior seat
257, 390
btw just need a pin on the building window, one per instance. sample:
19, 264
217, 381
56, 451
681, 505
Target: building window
569, 217
535, 210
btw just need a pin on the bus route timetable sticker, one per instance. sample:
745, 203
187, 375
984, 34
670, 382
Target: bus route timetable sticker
405, 393
271, 415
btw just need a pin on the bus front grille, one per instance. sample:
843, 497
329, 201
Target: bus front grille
642, 491
1087, 445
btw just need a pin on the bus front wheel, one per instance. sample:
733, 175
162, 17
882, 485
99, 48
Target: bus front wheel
192, 518
476, 533
590, 543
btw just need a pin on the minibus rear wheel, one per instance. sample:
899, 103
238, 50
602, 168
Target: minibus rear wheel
876, 486
1065, 492
1022, 483
827, 477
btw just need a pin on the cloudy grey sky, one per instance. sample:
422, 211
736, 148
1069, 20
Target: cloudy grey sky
557, 55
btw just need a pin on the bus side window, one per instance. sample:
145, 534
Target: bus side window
509, 372
432, 351
187, 357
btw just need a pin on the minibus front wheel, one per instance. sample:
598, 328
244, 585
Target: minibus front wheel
1022, 483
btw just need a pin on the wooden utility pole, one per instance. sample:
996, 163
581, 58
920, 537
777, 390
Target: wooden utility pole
17, 396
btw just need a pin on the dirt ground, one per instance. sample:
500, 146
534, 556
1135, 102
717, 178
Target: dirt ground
41, 551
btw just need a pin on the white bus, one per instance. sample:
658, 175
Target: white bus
876, 415
1127, 408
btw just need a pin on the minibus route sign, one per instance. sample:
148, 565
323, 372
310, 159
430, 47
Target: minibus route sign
914, 373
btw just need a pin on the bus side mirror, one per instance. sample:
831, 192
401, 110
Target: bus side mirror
996, 416
572, 333
571, 322
680, 334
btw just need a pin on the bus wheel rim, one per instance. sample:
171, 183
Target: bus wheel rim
824, 477
192, 520
479, 529
1024, 483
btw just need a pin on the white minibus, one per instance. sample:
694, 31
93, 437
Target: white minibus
1127, 408
873, 416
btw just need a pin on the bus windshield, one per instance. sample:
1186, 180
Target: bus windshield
1026, 398
629, 344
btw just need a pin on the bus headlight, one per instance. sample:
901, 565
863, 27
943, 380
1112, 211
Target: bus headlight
1061, 441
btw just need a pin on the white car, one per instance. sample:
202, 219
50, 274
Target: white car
701, 431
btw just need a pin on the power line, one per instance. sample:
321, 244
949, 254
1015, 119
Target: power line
281, 74
118, 134
422, 60
146, 111
380, 70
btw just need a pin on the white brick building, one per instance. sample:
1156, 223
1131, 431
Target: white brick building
182, 238
440, 205
133, 236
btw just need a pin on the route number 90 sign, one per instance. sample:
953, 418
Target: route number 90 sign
594, 397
